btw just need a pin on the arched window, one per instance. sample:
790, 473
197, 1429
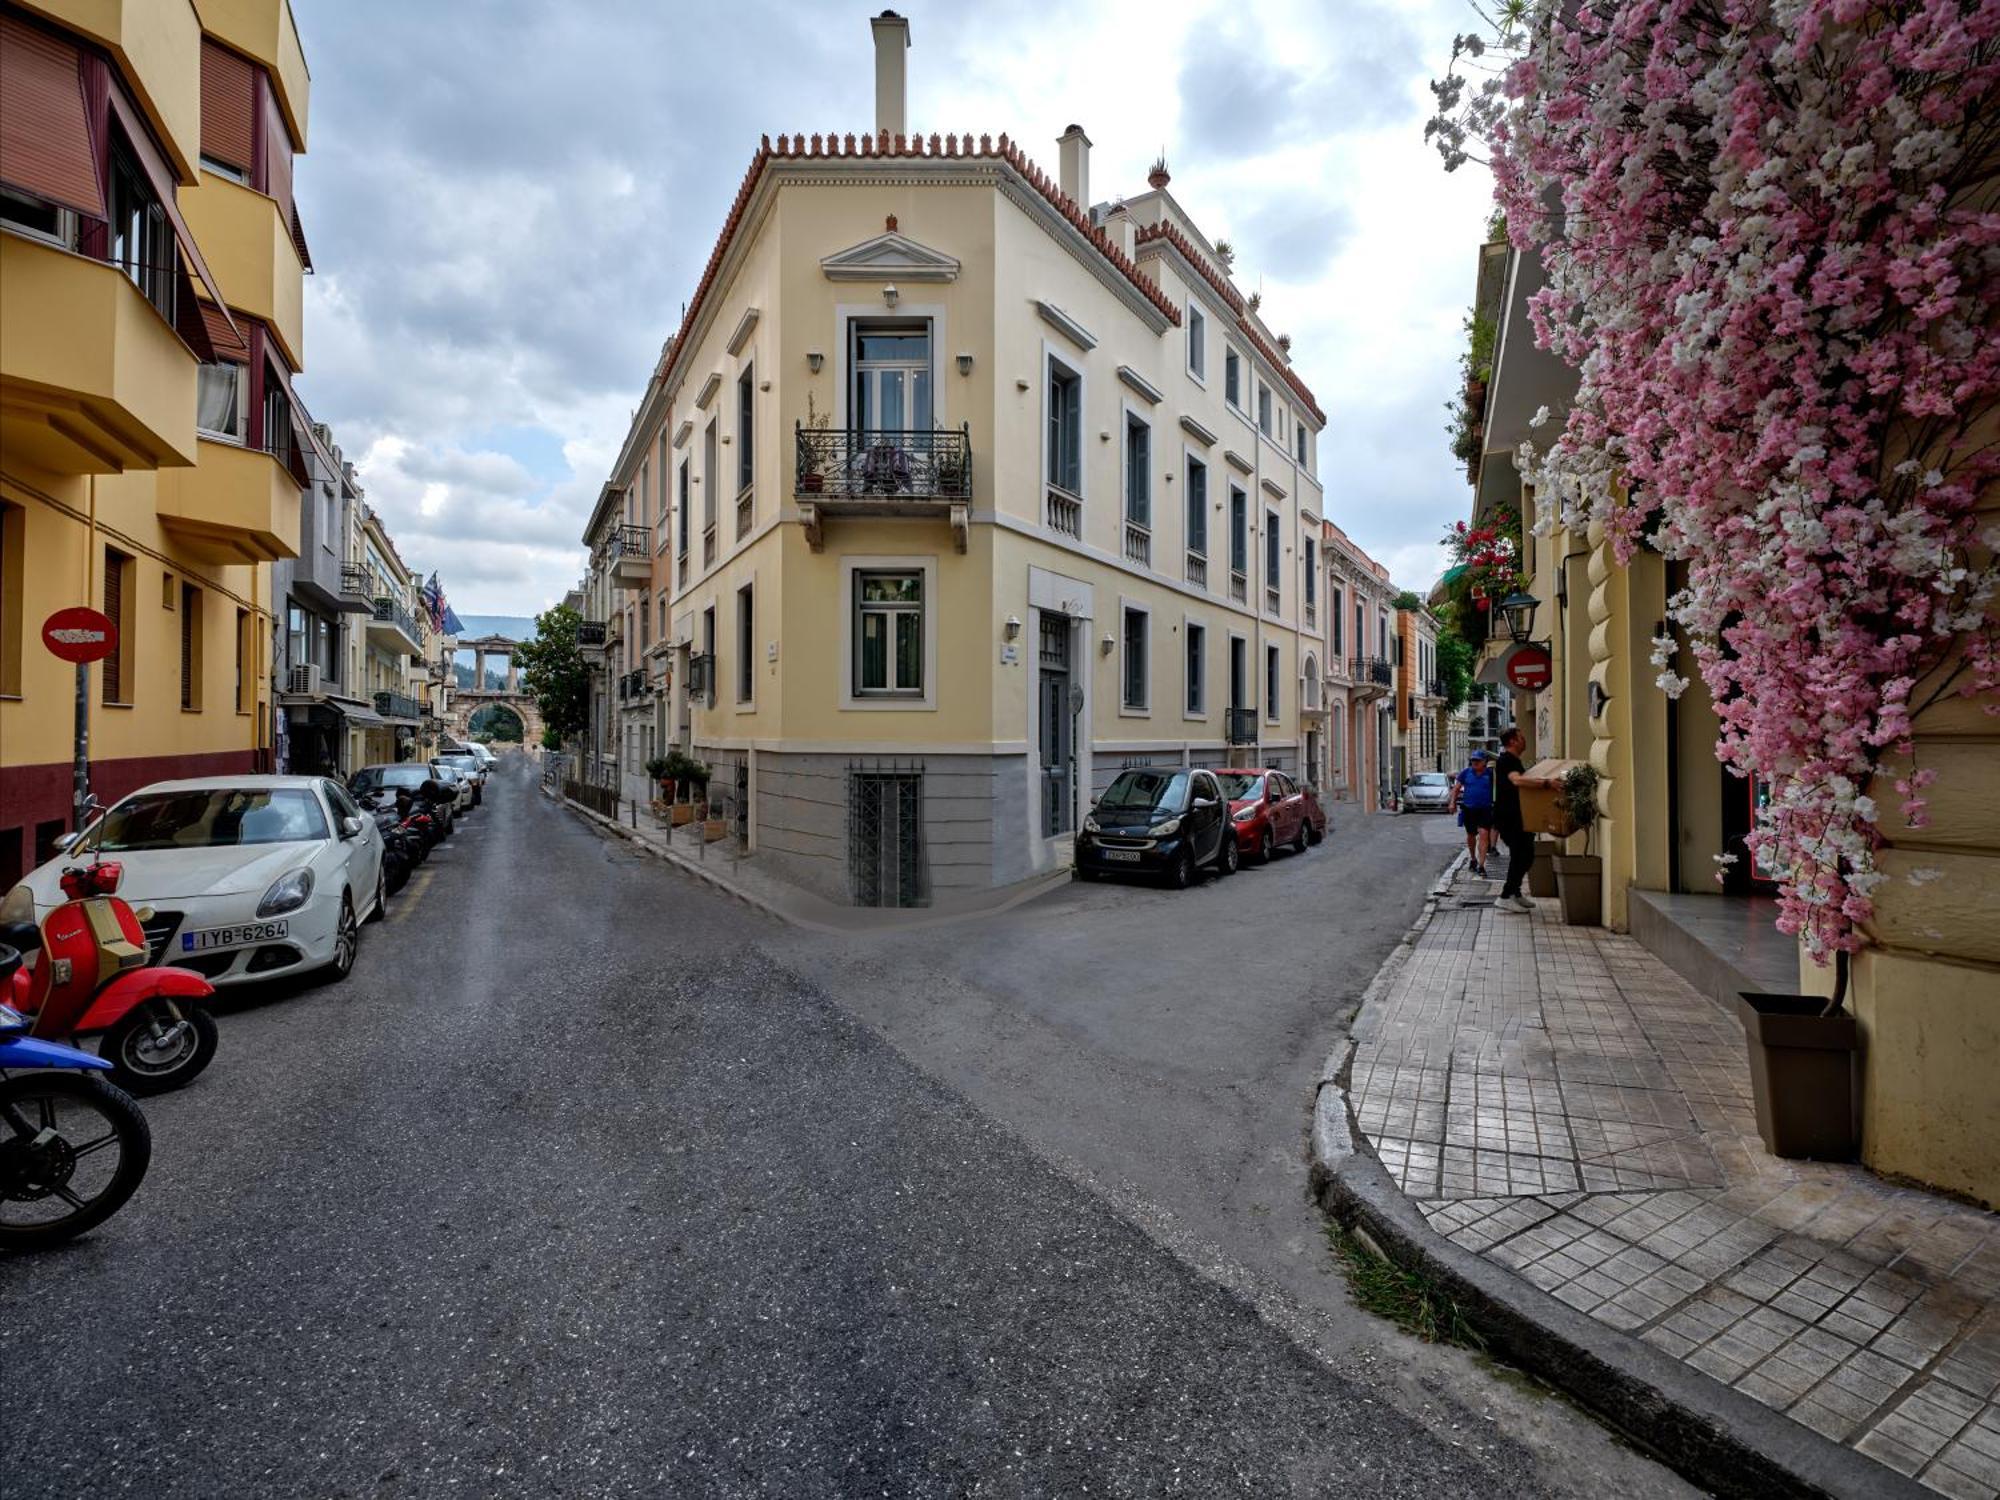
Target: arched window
1312, 682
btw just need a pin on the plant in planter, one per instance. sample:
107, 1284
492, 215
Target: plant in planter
715, 822
815, 447
683, 774
1580, 877
656, 772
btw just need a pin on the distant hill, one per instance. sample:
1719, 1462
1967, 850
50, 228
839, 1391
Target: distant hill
514, 627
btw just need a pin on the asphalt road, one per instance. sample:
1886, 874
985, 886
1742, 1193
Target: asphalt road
585, 1185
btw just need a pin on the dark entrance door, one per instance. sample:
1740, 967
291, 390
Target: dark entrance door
1057, 725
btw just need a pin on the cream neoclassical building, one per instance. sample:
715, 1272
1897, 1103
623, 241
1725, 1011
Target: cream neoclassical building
970, 494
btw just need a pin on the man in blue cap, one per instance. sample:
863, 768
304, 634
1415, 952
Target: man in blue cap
1472, 796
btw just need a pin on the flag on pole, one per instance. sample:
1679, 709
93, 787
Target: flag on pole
434, 603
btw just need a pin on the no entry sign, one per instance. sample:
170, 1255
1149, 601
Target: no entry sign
80, 634
1528, 668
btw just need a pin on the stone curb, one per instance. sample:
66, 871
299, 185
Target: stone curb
679, 861
1719, 1438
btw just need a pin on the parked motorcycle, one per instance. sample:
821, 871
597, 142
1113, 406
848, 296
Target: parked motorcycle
72, 1147
402, 848
92, 979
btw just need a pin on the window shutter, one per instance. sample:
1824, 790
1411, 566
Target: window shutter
228, 341
277, 152
114, 609
45, 145
228, 107
188, 607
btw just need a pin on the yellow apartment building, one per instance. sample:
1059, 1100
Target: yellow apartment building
975, 494
1926, 988
151, 453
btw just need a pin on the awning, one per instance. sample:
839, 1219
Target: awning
357, 716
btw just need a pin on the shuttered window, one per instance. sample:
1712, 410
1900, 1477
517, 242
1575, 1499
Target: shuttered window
277, 151
228, 107
45, 145
190, 647
116, 566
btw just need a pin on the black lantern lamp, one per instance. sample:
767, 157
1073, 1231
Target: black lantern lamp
1517, 610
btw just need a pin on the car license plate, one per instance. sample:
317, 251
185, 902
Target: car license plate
242, 935
1130, 854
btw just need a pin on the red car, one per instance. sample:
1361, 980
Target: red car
1267, 808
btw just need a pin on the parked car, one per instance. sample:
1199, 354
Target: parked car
458, 781
1164, 821
246, 876
469, 766
1267, 808
439, 800
1427, 791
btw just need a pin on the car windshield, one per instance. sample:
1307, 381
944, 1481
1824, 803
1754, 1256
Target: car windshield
209, 818
368, 778
1241, 786
1144, 790
462, 762
1430, 778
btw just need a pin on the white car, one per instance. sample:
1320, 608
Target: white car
247, 876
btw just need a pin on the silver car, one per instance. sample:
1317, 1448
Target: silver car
1427, 791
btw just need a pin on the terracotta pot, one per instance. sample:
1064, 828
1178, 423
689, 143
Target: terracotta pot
683, 813
1802, 1075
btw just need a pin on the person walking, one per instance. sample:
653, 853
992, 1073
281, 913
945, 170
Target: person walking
1520, 841
1472, 797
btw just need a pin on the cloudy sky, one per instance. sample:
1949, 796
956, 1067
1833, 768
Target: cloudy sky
509, 200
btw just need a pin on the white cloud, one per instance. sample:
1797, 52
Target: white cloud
508, 216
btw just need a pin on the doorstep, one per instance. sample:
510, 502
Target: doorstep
1721, 945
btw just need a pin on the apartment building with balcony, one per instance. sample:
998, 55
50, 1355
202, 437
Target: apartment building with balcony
1421, 715
388, 656
976, 492
151, 455
1360, 673
324, 596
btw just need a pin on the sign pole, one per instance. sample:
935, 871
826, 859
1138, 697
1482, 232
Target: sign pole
81, 772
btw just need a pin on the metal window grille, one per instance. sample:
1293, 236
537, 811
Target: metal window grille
885, 844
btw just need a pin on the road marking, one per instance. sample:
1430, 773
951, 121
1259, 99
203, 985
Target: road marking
419, 883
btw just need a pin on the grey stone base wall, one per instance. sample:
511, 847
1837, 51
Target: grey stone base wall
974, 812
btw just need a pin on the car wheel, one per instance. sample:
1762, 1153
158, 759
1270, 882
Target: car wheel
1266, 846
1078, 872
346, 940
1181, 873
381, 895
1314, 833
1299, 838
1229, 857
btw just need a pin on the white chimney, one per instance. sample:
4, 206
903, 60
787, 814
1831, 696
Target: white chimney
892, 40
1073, 161
1124, 234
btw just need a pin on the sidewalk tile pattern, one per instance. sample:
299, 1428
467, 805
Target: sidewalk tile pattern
1558, 1101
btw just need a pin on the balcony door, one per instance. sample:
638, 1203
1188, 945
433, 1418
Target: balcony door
891, 374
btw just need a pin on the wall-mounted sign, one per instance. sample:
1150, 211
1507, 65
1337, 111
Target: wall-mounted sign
1529, 668
80, 634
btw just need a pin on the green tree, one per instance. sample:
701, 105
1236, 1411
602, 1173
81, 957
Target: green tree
554, 674
1455, 656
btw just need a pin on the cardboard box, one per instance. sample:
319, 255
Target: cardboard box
1541, 797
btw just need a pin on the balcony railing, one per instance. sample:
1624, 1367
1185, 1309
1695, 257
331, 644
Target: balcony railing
633, 686
1138, 544
1239, 585
1312, 615
1065, 512
884, 464
590, 634
1273, 600
1435, 687
1197, 570
398, 706
1240, 726
389, 611
708, 545
629, 541
354, 581
746, 513
1371, 669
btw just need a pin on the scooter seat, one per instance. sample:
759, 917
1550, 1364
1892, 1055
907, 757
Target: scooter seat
24, 937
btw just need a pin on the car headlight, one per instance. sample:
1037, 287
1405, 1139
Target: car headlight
1090, 823
1245, 814
19, 905
287, 893
1162, 830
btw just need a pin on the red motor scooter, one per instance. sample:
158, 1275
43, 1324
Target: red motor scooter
90, 978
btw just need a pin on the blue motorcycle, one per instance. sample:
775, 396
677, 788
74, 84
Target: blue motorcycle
72, 1147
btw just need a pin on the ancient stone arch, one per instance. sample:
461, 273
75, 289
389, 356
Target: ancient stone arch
465, 702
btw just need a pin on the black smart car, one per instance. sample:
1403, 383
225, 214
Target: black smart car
1165, 821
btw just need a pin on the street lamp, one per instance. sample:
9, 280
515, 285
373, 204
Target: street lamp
1517, 611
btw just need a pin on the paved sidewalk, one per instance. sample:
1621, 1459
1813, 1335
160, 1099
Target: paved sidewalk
1555, 1100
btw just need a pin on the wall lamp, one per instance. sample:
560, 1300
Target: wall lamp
1013, 627
890, 295
965, 364
1107, 645
1517, 612
814, 359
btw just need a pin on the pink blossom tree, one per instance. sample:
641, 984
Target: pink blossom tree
1771, 233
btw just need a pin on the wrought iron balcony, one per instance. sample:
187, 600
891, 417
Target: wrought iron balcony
398, 706
884, 472
397, 625
1240, 727
590, 635
628, 554
356, 586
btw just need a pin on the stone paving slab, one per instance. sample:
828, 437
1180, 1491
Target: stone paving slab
1556, 1101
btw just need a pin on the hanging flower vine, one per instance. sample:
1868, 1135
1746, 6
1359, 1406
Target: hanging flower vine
1771, 235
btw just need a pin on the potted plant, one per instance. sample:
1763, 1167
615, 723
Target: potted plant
1580, 877
1802, 1051
815, 447
714, 823
656, 771
687, 777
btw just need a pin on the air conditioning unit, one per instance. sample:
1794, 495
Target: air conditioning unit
305, 679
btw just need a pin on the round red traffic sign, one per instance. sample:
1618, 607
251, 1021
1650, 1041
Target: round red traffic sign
80, 634
1529, 668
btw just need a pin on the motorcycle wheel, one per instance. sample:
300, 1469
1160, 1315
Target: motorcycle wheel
94, 1158
399, 874
142, 1063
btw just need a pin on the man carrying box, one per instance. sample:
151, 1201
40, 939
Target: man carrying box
1507, 820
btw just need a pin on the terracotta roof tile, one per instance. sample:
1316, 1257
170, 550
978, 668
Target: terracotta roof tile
797, 147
